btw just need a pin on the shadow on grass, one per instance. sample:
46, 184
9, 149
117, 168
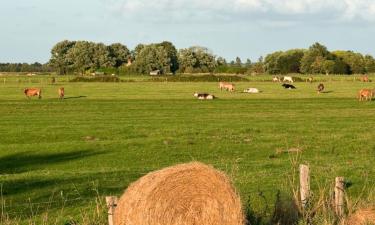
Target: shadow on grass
25, 161
38, 194
283, 211
81, 96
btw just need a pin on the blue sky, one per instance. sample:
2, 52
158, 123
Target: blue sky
230, 28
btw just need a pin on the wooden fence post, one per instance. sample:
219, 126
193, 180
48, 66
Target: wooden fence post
111, 204
304, 178
339, 196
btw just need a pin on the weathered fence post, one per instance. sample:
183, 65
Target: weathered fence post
111, 204
339, 196
304, 179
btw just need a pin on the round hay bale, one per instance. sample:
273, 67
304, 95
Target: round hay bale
362, 217
185, 194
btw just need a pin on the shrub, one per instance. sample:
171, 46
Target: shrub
96, 79
199, 78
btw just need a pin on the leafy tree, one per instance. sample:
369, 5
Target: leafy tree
58, 56
196, 59
355, 61
220, 61
119, 53
102, 56
248, 63
238, 61
312, 59
136, 51
328, 66
271, 64
172, 55
80, 57
152, 57
369, 64
284, 62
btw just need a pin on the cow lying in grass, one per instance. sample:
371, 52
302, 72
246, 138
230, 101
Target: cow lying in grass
320, 88
365, 94
226, 86
204, 96
29, 92
288, 86
251, 90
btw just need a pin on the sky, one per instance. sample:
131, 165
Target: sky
229, 28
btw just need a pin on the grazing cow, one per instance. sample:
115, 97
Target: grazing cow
365, 94
61, 93
310, 79
251, 90
365, 79
320, 88
276, 79
204, 96
226, 86
288, 79
29, 92
288, 86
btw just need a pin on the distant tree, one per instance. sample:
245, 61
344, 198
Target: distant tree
238, 62
80, 56
102, 56
271, 64
284, 62
119, 54
152, 57
248, 63
172, 55
355, 61
369, 64
58, 56
136, 51
312, 59
220, 61
196, 60
328, 66
258, 67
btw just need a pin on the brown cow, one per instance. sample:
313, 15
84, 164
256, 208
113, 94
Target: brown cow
365, 94
365, 79
320, 88
226, 86
61, 93
29, 92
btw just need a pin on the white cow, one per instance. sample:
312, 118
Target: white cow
287, 78
251, 90
276, 79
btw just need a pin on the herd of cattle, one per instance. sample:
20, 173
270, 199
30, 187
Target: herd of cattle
363, 94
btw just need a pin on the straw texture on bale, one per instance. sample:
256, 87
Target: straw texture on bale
364, 216
185, 194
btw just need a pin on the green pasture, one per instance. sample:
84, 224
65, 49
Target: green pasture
58, 154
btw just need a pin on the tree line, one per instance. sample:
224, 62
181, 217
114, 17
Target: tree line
26, 67
84, 57
317, 59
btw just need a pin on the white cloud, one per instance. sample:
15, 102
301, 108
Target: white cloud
206, 10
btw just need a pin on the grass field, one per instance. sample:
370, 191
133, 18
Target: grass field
63, 154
